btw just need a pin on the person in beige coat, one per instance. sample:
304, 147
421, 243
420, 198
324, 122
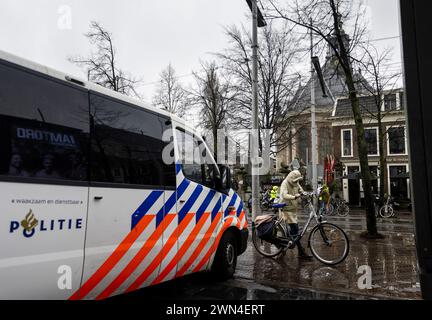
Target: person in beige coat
290, 191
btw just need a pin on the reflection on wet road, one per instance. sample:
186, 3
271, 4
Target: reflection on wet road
392, 260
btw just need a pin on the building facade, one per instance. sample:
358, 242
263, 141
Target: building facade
394, 140
299, 136
336, 133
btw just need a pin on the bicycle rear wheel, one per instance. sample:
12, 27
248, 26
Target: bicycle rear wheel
329, 243
343, 210
266, 248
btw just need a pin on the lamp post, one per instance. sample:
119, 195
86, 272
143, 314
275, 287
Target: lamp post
315, 67
313, 121
257, 21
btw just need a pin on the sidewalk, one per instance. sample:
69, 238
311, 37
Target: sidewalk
356, 211
392, 260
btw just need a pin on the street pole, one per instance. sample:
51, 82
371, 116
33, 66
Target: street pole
255, 123
313, 121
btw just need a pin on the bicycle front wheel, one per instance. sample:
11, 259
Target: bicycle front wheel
266, 248
386, 211
329, 243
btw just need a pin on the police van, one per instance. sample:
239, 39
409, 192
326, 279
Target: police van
90, 206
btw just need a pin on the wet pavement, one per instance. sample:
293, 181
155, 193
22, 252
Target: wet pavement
392, 260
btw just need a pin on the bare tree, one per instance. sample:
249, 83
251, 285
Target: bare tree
324, 19
277, 82
101, 65
170, 94
214, 97
380, 80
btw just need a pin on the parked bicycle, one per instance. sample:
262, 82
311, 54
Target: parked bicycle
266, 202
336, 207
341, 207
387, 209
328, 243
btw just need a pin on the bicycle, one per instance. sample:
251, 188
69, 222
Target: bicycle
266, 202
387, 211
328, 243
335, 207
326, 210
341, 207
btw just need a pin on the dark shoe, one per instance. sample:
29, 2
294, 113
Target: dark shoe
302, 254
282, 254
305, 257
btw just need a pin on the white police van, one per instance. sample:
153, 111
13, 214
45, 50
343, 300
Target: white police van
89, 207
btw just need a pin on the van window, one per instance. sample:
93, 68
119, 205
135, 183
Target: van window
126, 144
44, 127
197, 165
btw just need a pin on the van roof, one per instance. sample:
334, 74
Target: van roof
88, 85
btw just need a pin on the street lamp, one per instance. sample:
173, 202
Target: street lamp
318, 70
257, 21
261, 20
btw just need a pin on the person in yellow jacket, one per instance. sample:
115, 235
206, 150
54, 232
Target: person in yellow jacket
324, 197
273, 193
290, 191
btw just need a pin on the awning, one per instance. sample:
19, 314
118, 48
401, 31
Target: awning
357, 176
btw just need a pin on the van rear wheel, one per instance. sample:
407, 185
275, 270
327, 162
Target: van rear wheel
225, 261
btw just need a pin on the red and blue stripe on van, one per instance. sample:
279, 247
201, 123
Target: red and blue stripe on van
195, 253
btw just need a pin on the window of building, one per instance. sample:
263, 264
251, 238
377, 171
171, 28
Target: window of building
371, 136
390, 102
402, 101
325, 142
197, 164
374, 179
347, 143
303, 143
396, 140
44, 127
126, 144
398, 181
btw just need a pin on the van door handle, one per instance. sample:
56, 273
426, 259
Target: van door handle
182, 201
232, 208
98, 198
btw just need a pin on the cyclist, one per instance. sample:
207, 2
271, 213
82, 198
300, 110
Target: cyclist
290, 193
324, 197
273, 194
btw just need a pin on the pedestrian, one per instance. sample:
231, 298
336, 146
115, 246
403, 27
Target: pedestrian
290, 191
324, 198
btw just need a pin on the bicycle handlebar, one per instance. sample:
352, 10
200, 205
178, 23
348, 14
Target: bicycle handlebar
308, 194
304, 195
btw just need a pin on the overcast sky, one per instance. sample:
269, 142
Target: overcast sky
148, 34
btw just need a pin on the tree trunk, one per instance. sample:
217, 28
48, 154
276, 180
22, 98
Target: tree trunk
364, 163
361, 141
215, 144
383, 160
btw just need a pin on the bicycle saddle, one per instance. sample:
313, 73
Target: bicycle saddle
278, 205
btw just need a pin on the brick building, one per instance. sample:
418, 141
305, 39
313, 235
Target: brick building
336, 134
395, 145
299, 136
